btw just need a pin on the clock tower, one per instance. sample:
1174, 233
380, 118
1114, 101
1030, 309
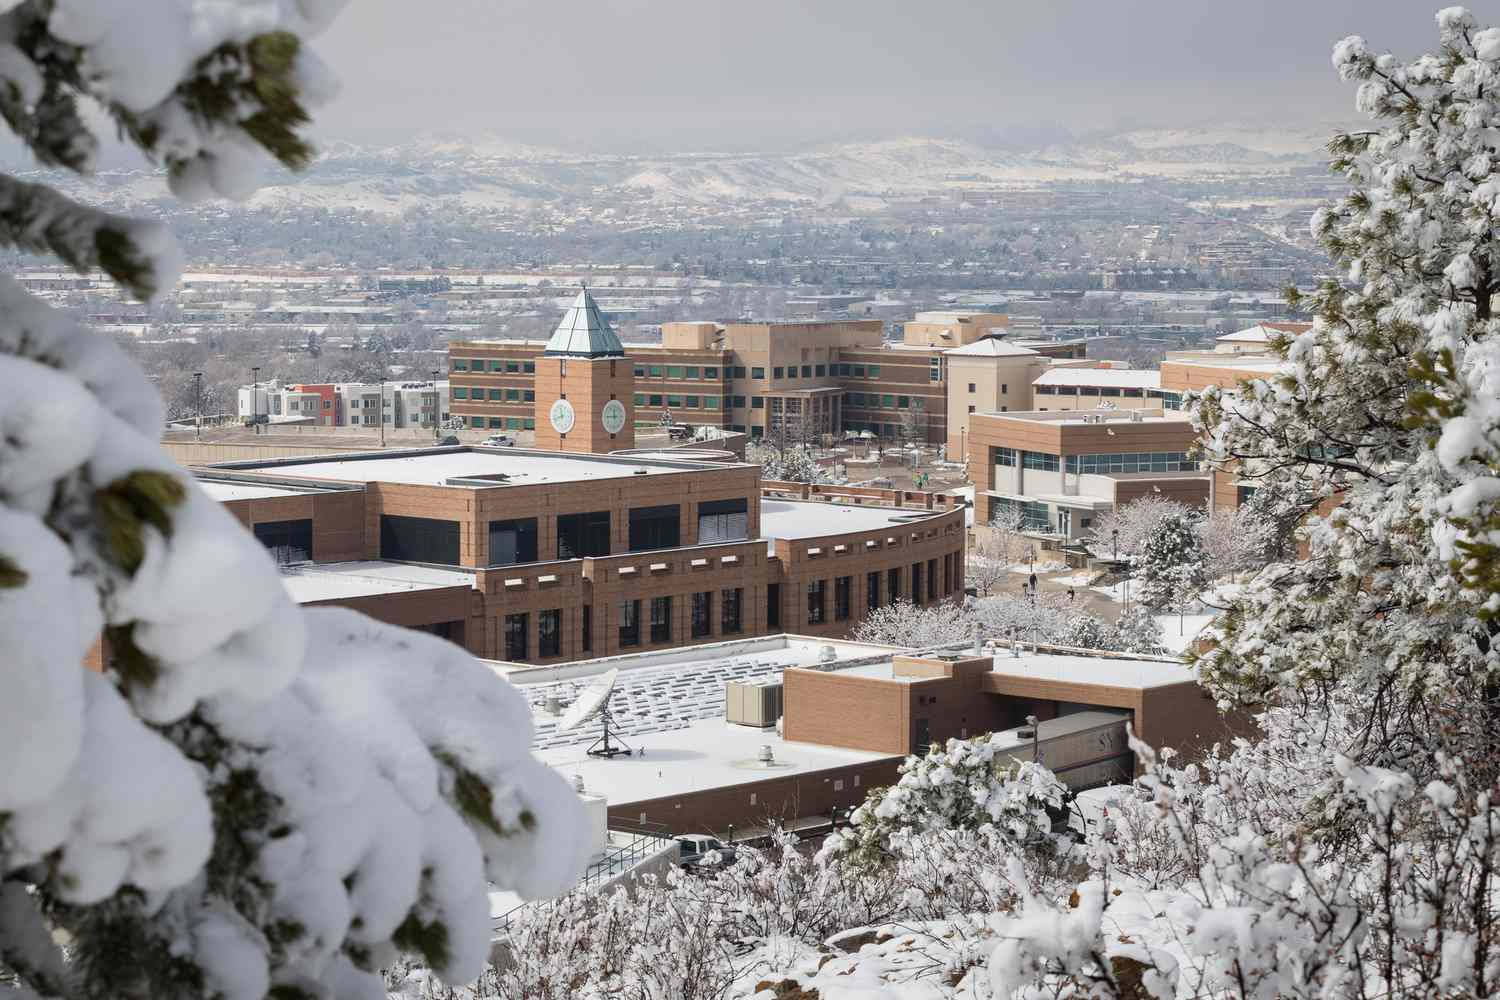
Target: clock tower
585, 385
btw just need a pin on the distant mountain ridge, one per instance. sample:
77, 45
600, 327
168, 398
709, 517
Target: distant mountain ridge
486, 173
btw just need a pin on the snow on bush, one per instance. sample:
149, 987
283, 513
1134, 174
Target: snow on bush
251, 800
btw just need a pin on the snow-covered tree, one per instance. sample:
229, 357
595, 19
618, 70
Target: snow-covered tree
1169, 564
965, 785
251, 799
1139, 630
792, 464
903, 623
996, 548
1120, 533
1235, 540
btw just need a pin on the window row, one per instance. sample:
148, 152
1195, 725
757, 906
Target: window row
507, 423
680, 402
658, 623
583, 535
495, 395
493, 365
1154, 461
884, 401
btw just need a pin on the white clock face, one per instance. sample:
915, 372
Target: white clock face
562, 416
613, 416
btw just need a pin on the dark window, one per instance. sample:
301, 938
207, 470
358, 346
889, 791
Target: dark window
630, 623
754, 373
778, 373
815, 611
841, 590
654, 528
549, 633
916, 583
893, 584
757, 402
872, 590
773, 605
586, 627
655, 399
807, 371
703, 607
291, 541
1044, 390
723, 520
419, 539
922, 740
819, 370
729, 610
513, 541
516, 628
661, 619
580, 535
932, 580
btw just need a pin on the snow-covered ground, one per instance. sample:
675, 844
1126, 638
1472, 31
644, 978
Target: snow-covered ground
1178, 631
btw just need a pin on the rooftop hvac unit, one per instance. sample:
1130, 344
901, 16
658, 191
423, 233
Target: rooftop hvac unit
747, 703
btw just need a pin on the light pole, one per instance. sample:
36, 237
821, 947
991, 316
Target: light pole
381, 411
1036, 740
437, 406
198, 383
255, 397
1114, 538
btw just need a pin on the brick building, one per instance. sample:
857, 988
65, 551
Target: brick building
566, 556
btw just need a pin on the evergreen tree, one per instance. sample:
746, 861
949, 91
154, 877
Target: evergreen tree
251, 799
1170, 564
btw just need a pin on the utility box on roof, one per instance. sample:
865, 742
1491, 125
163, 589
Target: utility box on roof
748, 703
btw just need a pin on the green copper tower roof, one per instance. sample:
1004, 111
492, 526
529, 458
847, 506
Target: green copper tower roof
583, 332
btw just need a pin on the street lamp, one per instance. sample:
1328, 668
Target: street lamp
1114, 537
437, 406
1036, 740
381, 411
255, 397
198, 382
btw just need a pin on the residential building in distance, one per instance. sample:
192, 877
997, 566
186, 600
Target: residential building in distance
550, 556
346, 404
1061, 470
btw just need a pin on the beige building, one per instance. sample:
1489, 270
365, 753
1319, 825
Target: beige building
953, 329
989, 375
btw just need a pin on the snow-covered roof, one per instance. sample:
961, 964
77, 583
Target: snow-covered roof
366, 578
1108, 671
811, 519
223, 490
1128, 378
991, 347
435, 467
584, 332
1263, 333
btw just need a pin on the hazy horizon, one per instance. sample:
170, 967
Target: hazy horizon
654, 75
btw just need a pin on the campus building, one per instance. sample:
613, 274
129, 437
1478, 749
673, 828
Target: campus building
1063, 469
550, 556
787, 381
397, 403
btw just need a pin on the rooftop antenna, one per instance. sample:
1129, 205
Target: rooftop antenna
595, 701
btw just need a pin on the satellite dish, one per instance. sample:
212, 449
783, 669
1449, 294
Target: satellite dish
589, 702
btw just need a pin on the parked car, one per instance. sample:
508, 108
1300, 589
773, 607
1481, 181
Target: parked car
700, 852
450, 439
499, 441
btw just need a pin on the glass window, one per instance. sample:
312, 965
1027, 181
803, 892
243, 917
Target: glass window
723, 520
495, 394
1133, 393
757, 373
517, 629
710, 372
661, 619
703, 623
528, 395
1039, 461
655, 371
918, 403
1006, 456
674, 400
630, 623
580, 535
656, 399
932, 580
819, 371
1044, 390
842, 589
528, 423
739, 401
859, 371
903, 402
474, 422
513, 541
872, 590
691, 371
528, 367
815, 609
654, 528
729, 610
778, 373
807, 371
460, 392
513, 366
739, 371
549, 633
512, 395
586, 628
676, 371
692, 402
640, 371
893, 584
460, 364
888, 401
640, 399
757, 402
1109, 391
916, 583
290, 541
874, 371
419, 539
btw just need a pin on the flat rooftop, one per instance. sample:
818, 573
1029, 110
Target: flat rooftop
710, 753
1119, 672
338, 581
471, 467
1144, 415
810, 519
223, 490
1126, 378
669, 689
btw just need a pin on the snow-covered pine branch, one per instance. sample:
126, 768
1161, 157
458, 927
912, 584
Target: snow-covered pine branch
252, 800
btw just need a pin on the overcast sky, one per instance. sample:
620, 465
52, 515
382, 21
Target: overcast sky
690, 73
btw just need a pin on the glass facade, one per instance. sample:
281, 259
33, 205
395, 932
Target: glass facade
419, 539
580, 535
513, 541
1154, 461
